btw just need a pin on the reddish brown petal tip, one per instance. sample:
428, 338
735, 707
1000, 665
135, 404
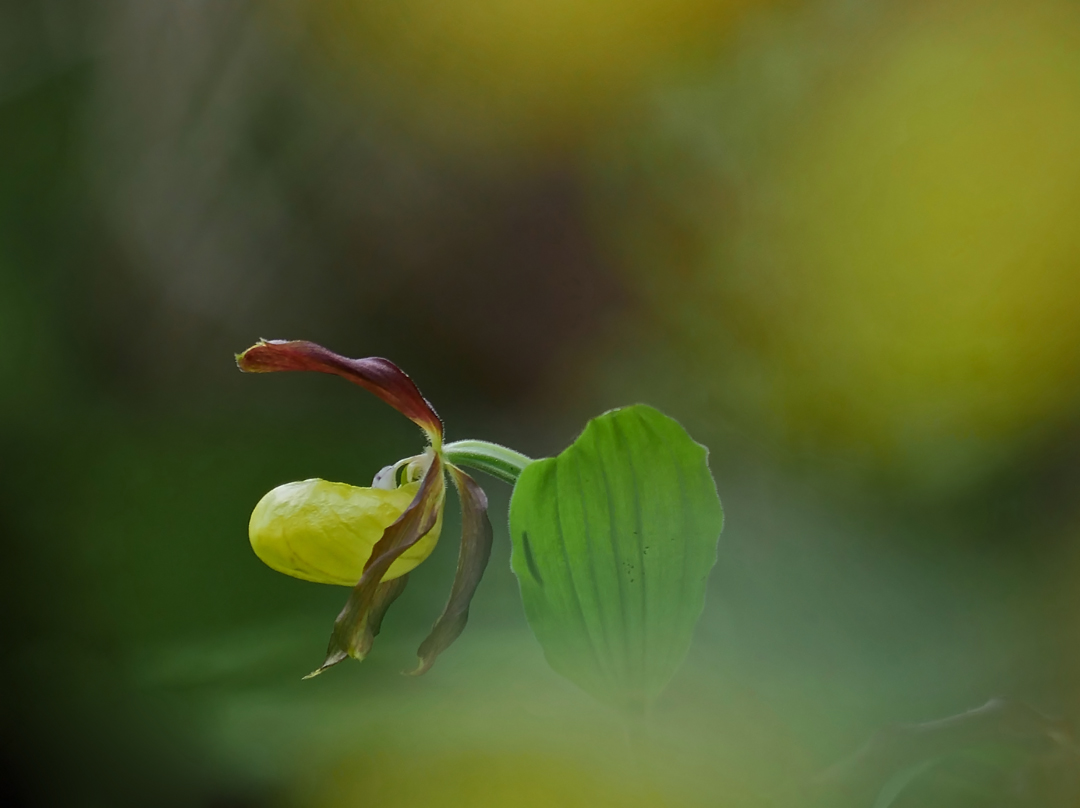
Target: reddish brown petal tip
375, 374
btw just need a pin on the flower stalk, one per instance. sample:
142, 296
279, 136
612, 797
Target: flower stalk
498, 461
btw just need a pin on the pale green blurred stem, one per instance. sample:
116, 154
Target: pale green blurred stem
490, 458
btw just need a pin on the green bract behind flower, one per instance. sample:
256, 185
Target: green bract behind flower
324, 532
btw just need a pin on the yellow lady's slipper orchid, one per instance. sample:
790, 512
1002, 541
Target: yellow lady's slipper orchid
324, 532
370, 538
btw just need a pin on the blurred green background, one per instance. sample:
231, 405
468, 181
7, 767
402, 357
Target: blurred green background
838, 240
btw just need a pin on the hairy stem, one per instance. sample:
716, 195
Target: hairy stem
490, 458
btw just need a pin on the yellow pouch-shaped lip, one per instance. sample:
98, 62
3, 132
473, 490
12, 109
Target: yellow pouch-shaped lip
324, 532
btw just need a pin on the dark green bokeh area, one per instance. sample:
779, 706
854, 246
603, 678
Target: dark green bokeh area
835, 240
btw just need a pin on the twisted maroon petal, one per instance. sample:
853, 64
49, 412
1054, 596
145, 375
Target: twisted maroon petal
476, 540
375, 374
356, 626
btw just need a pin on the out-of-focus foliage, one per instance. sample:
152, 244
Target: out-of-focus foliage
484, 73
836, 232
874, 257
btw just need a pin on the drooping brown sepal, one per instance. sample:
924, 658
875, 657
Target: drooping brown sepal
476, 540
358, 623
375, 374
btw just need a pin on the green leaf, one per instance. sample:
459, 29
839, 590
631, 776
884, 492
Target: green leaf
613, 543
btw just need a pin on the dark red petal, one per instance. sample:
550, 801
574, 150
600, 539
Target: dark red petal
388, 592
380, 376
475, 551
385, 595
356, 626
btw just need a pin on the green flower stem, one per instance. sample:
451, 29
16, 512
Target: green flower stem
490, 458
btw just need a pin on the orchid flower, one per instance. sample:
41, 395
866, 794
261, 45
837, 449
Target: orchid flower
371, 538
